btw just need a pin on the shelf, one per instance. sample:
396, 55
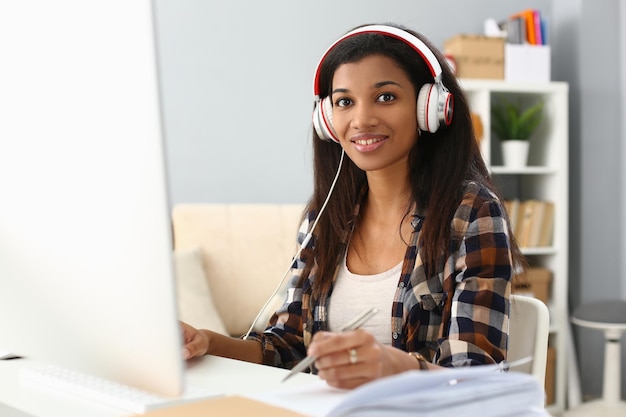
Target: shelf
536, 170
545, 178
539, 250
501, 86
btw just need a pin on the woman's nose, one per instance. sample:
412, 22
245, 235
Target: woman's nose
363, 116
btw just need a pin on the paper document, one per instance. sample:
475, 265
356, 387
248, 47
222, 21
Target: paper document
460, 392
315, 399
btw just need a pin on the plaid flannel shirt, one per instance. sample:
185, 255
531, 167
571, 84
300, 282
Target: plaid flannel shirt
458, 317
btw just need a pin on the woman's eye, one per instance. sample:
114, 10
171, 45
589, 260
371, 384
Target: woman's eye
386, 97
343, 102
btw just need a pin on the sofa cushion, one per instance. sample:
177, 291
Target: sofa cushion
246, 249
195, 301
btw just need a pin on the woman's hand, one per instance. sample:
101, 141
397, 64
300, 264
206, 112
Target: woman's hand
200, 342
350, 359
196, 342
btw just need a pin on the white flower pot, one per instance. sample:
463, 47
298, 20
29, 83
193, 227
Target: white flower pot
515, 153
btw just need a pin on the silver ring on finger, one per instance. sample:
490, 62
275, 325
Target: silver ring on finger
353, 357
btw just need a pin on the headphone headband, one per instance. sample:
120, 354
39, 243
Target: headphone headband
414, 42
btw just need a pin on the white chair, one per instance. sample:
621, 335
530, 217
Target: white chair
529, 328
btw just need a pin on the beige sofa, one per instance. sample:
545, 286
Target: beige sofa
229, 259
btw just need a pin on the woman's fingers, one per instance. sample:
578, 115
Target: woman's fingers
348, 359
326, 343
195, 342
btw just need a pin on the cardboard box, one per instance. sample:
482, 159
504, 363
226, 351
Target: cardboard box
535, 283
527, 62
550, 375
477, 56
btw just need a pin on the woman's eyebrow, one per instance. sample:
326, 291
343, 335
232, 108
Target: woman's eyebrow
384, 83
376, 85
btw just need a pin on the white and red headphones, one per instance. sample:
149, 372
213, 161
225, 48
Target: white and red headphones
435, 103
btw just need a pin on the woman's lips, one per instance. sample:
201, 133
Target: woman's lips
368, 143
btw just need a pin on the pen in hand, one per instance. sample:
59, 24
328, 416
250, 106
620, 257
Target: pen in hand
354, 324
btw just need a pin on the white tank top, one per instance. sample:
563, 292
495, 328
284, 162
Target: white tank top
354, 293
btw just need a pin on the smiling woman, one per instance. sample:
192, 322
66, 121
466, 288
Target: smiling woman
410, 224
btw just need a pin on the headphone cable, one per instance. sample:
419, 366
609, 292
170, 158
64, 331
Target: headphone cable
303, 245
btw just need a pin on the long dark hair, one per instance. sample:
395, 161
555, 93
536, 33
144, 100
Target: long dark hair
439, 162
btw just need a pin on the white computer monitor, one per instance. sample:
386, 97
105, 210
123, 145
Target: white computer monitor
86, 277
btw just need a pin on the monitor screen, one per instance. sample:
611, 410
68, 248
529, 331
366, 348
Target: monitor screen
86, 277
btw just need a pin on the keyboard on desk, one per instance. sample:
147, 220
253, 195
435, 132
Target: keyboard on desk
8, 411
104, 391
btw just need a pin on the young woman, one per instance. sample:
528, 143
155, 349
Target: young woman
413, 225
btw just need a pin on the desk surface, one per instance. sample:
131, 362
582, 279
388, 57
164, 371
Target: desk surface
225, 376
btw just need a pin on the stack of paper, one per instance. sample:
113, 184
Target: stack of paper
473, 391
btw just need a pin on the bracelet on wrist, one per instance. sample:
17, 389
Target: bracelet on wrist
421, 360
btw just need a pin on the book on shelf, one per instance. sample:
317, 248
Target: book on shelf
536, 224
547, 225
544, 30
532, 221
533, 27
516, 30
537, 27
524, 222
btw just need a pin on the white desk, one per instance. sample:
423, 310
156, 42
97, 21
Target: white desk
225, 376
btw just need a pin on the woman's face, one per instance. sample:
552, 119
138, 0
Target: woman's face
374, 113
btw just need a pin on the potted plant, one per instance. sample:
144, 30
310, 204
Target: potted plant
514, 125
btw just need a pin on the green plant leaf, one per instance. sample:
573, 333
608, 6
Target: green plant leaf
509, 121
530, 119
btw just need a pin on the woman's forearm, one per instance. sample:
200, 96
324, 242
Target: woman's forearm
234, 348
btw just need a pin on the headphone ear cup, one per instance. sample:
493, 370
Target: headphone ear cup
427, 102
323, 120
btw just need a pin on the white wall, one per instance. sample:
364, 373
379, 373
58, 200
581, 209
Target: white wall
237, 84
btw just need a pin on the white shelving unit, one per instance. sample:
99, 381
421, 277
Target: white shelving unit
545, 178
